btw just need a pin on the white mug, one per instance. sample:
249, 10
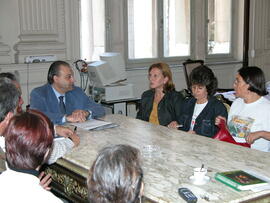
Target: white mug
199, 173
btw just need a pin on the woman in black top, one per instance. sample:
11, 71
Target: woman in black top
161, 103
200, 111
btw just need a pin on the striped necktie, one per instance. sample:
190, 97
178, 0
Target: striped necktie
62, 105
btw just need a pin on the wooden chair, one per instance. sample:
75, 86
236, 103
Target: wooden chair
189, 65
225, 101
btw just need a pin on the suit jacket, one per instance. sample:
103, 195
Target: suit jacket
205, 122
43, 99
168, 107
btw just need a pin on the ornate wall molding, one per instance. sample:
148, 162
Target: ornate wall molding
42, 29
4, 53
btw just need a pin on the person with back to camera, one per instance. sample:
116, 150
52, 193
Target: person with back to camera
60, 146
200, 111
9, 102
161, 103
15, 81
251, 105
60, 100
116, 176
28, 142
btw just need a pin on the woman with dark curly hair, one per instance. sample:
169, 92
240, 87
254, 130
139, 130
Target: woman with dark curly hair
200, 111
161, 103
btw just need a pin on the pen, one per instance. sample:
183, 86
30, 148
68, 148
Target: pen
75, 129
179, 126
202, 167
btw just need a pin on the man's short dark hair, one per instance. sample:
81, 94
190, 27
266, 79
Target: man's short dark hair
254, 77
54, 70
9, 97
116, 175
202, 75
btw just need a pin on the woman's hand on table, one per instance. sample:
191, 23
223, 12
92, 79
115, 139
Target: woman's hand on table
218, 120
174, 125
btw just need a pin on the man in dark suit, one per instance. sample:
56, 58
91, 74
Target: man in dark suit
60, 100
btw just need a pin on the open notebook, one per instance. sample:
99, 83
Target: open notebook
94, 124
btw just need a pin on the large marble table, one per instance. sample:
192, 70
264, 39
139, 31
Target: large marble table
168, 170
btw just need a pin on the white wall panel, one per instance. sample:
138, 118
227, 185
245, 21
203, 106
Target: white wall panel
259, 42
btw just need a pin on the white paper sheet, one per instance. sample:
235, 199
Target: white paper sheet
91, 124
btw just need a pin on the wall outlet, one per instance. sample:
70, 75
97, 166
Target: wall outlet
40, 59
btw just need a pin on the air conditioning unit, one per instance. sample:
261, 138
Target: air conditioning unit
40, 58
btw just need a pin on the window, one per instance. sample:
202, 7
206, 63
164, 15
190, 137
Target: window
146, 31
142, 29
174, 30
219, 26
146, 26
92, 29
176, 18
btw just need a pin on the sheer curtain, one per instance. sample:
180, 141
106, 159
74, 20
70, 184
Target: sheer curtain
92, 29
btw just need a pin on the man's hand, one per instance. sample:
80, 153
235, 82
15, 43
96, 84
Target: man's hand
68, 133
77, 116
75, 139
45, 180
80, 113
63, 131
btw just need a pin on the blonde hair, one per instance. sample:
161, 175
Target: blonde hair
166, 72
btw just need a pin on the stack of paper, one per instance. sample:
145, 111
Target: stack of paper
94, 124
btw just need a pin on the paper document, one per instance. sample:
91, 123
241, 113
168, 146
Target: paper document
95, 124
263, 177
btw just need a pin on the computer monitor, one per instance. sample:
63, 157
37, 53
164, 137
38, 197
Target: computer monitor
101, 74
116, 61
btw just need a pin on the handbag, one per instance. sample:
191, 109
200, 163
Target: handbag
224, 135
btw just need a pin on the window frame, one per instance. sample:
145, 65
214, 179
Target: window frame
221, 56
106, 31
198, 36
131, 63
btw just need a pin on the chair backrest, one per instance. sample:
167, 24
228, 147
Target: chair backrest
225, 101
189, 65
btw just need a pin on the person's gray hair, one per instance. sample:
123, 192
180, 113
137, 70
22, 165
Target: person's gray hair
9, 97
116, 175
11, 76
